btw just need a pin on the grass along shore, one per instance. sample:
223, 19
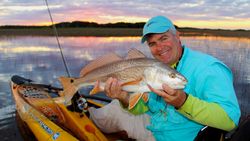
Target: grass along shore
105, 32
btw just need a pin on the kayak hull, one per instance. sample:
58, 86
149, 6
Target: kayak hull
48, 118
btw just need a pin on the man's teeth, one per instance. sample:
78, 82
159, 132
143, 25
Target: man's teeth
163, 53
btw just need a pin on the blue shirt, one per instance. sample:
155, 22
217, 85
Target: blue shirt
208, 79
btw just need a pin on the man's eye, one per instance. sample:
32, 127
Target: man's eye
164, 39
151, 44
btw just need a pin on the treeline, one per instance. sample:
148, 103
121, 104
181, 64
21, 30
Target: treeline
84, 24
81, 28
81, 24
93, 24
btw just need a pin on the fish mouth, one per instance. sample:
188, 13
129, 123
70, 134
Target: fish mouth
180, 85
184, 81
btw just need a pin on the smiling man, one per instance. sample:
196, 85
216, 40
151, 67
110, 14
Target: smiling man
179, 114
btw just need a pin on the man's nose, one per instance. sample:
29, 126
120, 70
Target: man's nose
159, 46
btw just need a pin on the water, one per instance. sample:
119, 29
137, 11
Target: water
38, 58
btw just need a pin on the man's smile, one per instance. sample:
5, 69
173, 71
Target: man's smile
164, 52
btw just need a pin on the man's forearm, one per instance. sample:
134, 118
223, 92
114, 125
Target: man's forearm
211, 114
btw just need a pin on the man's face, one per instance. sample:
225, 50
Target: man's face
165, 47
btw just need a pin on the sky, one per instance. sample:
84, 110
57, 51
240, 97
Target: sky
212, 14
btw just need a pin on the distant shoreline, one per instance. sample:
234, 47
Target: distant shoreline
119, 32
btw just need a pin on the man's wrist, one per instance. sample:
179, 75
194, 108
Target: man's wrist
183, 98
124, 99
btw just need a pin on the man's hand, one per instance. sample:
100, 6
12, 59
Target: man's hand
113, 89
173, 97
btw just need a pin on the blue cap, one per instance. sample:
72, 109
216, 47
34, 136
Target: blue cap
158, 24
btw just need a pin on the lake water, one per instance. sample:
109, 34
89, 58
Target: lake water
39, 59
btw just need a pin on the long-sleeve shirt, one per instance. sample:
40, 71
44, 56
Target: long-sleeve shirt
211, 100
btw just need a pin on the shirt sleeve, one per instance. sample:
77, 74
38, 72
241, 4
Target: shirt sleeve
213, 101
206, 113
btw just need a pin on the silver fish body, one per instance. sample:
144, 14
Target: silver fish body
150, 70
135, 75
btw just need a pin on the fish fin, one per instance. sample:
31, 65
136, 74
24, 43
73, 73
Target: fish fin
96, 88
145, 97
134, 53
133, 100
69, 89
132, 82
101, 61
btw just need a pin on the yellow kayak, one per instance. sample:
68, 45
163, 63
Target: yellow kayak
41, 108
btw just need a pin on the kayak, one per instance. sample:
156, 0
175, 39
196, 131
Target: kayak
42, 110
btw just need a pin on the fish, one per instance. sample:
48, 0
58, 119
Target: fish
135, 72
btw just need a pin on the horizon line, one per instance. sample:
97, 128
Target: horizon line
42, 25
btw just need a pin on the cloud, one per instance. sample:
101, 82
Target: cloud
35, 12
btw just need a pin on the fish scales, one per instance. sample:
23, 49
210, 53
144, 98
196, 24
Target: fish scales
131, 69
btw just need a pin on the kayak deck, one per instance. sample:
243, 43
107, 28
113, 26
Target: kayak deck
41, 109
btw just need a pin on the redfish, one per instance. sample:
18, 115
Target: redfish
135, 74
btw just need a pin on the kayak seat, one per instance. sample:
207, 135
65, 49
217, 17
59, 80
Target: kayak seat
210, 134
241, 133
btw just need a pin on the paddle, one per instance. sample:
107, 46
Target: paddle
24, 81
105, 99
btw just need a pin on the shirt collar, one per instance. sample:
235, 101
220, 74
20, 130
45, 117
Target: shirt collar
175, 65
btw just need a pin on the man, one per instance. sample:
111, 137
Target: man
208, 98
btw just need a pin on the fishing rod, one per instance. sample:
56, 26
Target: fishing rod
56, 33
64, 62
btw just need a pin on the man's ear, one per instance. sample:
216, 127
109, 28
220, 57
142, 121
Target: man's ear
178, 35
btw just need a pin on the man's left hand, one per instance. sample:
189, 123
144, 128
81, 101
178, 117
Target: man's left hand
171, 96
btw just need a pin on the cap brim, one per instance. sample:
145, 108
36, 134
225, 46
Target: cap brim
160, 30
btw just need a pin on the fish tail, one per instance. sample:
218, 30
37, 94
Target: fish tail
69, 89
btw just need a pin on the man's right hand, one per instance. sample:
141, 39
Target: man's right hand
113, 89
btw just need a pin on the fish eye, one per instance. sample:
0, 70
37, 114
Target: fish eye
172, 75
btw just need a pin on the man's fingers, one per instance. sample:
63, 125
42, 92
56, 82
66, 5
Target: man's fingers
108, 85
171, 96
115, 87
168, 89
158, 92
150, 88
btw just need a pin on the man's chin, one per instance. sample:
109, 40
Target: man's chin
165, 61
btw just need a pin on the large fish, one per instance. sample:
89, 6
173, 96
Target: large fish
135, 72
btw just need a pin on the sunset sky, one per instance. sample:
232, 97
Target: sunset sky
214, 14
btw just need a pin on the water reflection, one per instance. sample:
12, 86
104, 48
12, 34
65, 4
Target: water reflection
27, 49
39, 58
232, 51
